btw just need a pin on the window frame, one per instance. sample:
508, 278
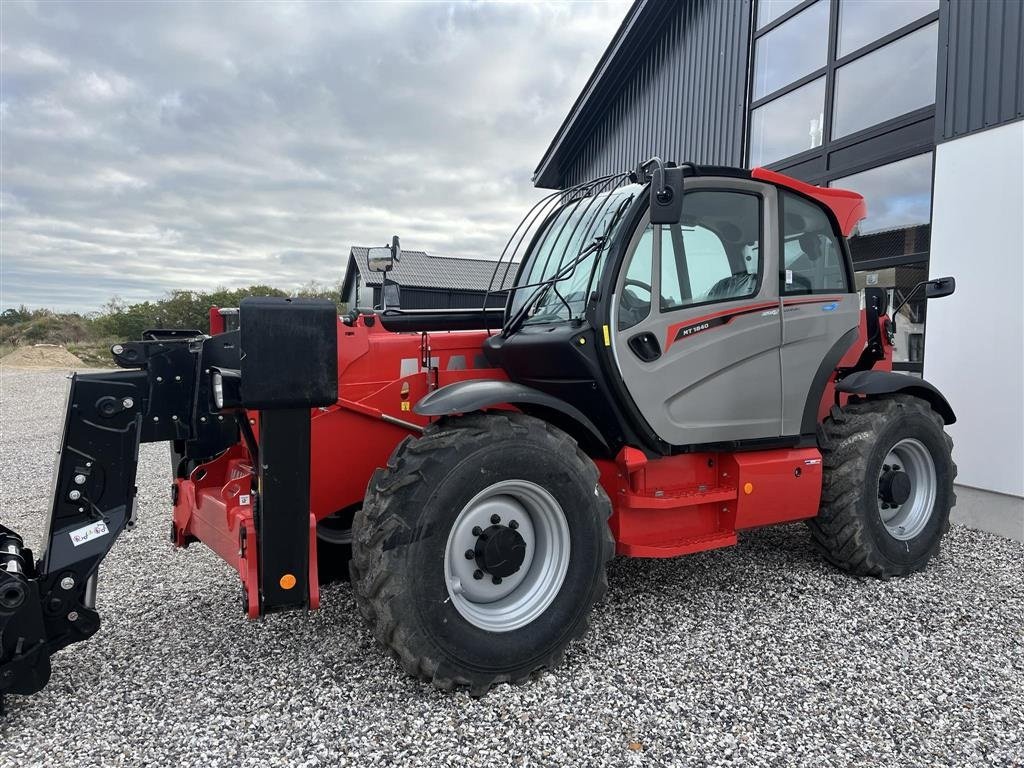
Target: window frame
842, 248
758, 283
829, 71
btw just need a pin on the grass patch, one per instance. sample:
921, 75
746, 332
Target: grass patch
95, 354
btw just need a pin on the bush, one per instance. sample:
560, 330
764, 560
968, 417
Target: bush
121, 321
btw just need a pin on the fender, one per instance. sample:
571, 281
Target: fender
475, 395
886, 382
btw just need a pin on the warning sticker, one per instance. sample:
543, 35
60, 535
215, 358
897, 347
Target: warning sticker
88, 533
243, 499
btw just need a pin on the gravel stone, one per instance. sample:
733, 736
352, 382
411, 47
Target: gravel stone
761, 654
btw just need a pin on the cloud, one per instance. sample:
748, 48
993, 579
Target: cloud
169, 145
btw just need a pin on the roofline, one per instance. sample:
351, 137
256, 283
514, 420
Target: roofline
597, 77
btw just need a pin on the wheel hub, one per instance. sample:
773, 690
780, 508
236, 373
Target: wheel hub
500, 551
507, 555
907, 489
894, 487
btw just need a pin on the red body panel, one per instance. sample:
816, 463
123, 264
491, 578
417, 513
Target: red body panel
848, 207
696, 501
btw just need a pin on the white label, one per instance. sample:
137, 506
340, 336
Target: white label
789, 277
244, 499
88, 533
871, 279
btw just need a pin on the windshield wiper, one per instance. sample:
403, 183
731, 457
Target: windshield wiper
541, 288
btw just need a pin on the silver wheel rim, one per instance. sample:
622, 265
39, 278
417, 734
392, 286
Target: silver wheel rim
518, 599
905, 521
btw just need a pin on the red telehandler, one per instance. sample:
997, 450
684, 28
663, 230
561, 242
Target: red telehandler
683, 355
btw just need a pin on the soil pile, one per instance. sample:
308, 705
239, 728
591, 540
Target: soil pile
41, 356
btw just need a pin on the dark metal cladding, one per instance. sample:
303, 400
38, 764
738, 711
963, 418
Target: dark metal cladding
283, 518
670, 84
981, 72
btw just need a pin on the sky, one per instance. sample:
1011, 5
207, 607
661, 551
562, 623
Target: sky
153, 146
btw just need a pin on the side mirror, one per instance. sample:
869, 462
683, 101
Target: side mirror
933, 289
380, 259
383, 259
666, 203
939, 287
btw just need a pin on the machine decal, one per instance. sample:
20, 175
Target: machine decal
684, 330
88, 532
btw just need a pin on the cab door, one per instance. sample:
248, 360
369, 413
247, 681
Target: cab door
821, 310
696, 323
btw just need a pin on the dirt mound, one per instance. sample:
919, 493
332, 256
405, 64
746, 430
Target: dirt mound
41, 356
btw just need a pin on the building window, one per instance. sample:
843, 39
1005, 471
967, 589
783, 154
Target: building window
886, 83
898, 282
899, 201
890, 246
825, 71
864, 21
788, 125
770, 10
791, 50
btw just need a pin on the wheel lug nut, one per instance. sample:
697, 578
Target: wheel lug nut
477, 530
885, 506
895, 467
478, 574
495, 519
470, 554
496, 579
513, 524
886, 467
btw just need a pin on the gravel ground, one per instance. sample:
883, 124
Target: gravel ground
755, 655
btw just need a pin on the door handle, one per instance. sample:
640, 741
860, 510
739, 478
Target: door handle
645, 346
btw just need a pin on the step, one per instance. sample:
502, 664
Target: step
679, 498
678, 547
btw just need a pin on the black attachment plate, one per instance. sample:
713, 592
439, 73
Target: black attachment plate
289, 352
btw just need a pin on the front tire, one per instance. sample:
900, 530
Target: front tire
480, 550
887, 486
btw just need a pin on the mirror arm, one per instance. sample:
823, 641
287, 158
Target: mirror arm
907, 298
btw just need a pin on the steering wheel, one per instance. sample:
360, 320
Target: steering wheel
633, 309
629, 281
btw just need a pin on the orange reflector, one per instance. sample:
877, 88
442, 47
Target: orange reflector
287, 581
748, 488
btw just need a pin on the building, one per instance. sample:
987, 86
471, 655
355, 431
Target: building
428, 282
916, 104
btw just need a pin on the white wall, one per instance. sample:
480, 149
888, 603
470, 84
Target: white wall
974, 344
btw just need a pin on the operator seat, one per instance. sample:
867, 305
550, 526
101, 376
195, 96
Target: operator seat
735, 286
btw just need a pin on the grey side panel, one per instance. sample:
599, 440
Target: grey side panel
468, 396
887, 382
812, 325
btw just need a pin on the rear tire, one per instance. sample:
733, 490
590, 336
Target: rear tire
872, 522
410, 536
334, 546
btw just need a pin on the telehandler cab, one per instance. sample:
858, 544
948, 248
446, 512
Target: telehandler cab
674, 364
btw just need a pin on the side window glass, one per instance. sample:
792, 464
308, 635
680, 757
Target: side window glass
812, 259
712, 255
635, 301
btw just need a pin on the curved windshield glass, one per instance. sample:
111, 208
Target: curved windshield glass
566, 258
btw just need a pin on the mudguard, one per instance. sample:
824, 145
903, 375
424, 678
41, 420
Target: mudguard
871, 383
468, 396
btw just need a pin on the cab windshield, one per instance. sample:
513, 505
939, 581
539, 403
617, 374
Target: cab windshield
571, 248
